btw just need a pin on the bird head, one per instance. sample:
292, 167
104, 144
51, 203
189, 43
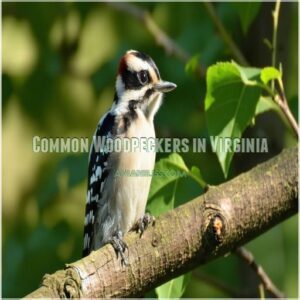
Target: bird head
139, 80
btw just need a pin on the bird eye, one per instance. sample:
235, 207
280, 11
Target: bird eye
143, 77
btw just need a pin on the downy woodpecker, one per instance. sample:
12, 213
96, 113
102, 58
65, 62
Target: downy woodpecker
114, 203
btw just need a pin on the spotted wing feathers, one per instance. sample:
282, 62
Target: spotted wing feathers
97, 174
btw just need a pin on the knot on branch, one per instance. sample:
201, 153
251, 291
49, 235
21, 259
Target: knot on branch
72, 284
216, 224
65, 283
213, 231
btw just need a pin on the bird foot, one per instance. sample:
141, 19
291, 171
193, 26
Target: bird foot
120, 246
142, 224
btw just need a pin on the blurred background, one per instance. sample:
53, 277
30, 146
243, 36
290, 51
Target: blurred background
59, 63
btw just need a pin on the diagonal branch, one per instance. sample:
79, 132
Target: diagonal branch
161, 38
224, 218
247, 256
282, 102
234, 49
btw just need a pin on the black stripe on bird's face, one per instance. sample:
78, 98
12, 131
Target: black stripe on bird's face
132, 81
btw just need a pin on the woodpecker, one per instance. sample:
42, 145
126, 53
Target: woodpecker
116, 204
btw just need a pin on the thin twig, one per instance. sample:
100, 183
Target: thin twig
161, 38
281, 101
269, 286
275, 14
281, 98
237, 54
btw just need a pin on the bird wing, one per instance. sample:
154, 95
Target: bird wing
97, 174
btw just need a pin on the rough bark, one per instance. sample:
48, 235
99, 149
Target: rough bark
211, 225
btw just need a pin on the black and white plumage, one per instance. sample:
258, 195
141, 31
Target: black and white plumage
116, 203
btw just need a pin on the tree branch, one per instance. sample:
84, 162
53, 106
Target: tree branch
267, 283
275, 15
161, 38
281, 99
224, 218
234, 49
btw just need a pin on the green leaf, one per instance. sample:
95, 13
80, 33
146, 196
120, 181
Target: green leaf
249, 76
269, 73
174, 288
173, 184
161, 178
247, 11
265, 104
231, 99
195, 172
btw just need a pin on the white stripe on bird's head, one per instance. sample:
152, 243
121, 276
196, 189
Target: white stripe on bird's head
136, 64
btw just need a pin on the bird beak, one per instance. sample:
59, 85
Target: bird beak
165, 86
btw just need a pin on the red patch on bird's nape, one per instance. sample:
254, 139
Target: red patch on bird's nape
122, 65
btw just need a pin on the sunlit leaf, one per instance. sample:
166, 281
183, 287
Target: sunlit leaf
173, 288
269, 73
230, 103
173, 184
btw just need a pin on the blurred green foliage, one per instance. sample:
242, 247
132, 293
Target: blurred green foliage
59, 62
